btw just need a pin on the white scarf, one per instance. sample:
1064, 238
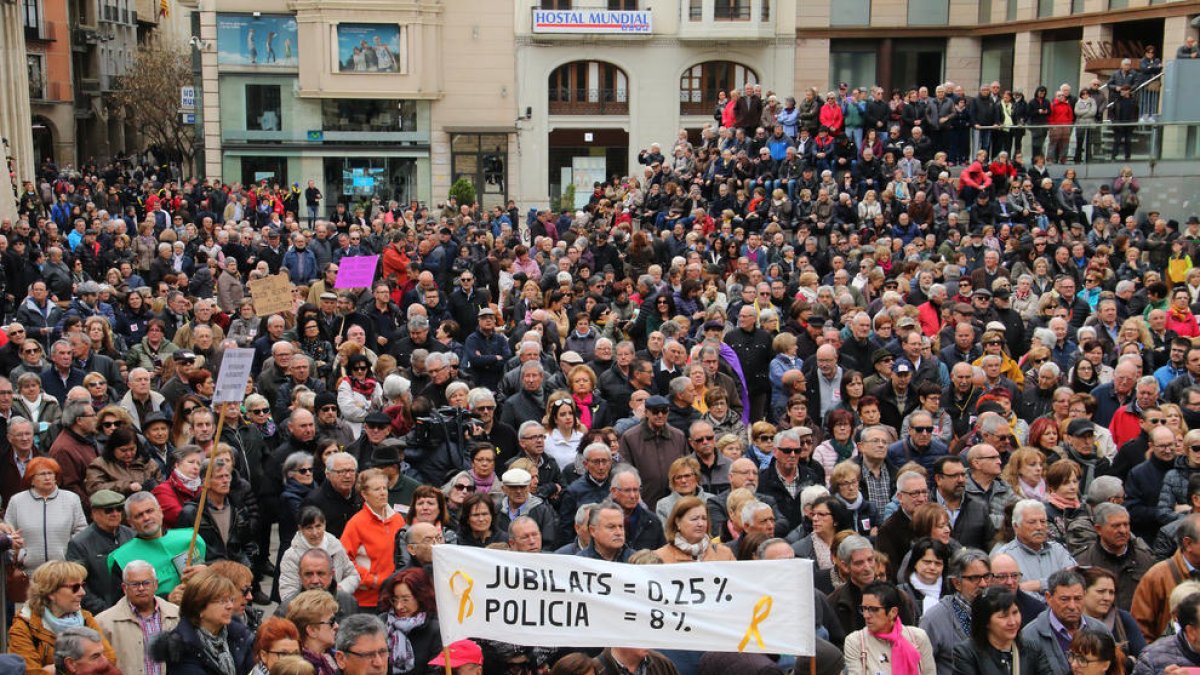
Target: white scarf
931, 592
192, 484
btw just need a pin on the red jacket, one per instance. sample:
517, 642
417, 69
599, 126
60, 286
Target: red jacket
171, 496
974, 176
831, 116
1061, 112
1124, 426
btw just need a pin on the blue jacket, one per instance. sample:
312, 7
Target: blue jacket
293, 260
53, 385
899, 453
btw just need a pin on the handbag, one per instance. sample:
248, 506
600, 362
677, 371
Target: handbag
16, 583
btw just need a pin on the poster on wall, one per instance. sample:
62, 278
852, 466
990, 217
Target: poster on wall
585, 173
264, 41
372, 48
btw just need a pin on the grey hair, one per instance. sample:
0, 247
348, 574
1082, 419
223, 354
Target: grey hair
15, 422
335, 457
317, 552
479, 395
621, 469
787, 435
1018, 515
295, 461
850, 545
138, 566
1052, 368
520, 520
1105, 510
184, 451
456, 386
992, 423
909, 475
435, 360
532, 365
73, 410
137, 498
1189, 529
1147, 380
357, 626
601, 507
594, 447
1125, 285
678, 385
752, 507
1046, 337
529, 424
530, 345
964, 558
1103, 489
989, 359
937, 289
70, 643
583, 514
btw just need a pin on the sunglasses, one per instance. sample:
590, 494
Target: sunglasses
325, 408
304, 470
464, 488
358, 369
923, 430
259, 411
110, 425
34, 350
111, 509
75, 587
788, 451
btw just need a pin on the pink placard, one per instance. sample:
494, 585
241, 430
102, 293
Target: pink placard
356, 271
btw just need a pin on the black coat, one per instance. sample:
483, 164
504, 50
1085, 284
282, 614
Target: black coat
970, 659
338, 510
241, 547
753, 349
973, 527
180, 649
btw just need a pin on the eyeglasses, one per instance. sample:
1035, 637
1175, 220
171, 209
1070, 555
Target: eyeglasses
1081, 659
1007, 576
868, 609
110, 509
976, 578
534, 437
375, 655
327, 408
138, 585
763, 437
915, 493
75, 587
341, 472
283, 654
460, 487
704, 439
34, 350
482, 408
331, 621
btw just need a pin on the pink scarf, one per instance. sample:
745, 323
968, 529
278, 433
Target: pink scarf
906, 660
584, 405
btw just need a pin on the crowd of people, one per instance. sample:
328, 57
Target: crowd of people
971, 402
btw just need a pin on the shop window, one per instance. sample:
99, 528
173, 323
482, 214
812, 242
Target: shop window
852, 65
368, 115
483, 160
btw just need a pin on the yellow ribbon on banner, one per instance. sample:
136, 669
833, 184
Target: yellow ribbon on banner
762, 609
466, 606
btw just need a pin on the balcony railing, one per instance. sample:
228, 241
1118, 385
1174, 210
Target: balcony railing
1149, 141
565, 101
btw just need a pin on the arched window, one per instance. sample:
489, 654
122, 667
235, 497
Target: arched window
699, 85
588, 88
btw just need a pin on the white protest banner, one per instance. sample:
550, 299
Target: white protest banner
235, 370
550, 600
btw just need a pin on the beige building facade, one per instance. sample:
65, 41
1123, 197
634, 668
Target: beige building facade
600, 80
395, 99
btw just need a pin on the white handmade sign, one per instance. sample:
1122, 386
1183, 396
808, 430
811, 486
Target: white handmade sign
569, 601
231, 380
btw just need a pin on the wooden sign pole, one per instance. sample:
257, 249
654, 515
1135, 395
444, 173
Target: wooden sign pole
204, 490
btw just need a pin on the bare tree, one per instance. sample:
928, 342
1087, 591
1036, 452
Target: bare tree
148, 98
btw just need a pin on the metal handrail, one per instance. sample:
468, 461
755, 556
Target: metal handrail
1135, 90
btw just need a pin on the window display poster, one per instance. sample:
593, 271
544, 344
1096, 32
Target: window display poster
265, 41
372, 48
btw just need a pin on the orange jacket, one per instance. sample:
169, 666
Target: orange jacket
370, 541
1151, 600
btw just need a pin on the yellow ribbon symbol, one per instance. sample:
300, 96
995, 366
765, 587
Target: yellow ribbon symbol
762, 609
466, 606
